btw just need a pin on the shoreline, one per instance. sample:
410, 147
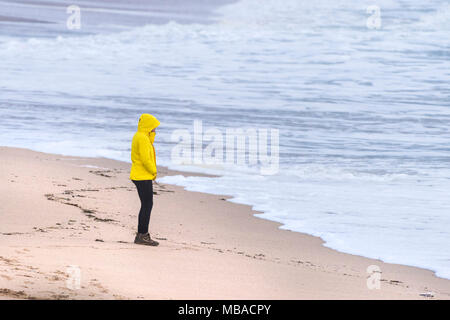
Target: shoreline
281, 224
225, 252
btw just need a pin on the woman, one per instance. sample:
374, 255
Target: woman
143, 172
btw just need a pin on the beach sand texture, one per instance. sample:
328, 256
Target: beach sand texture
58, 213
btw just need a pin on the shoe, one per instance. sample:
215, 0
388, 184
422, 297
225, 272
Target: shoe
144, 238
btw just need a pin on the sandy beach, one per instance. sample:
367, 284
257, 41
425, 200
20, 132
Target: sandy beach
59, 212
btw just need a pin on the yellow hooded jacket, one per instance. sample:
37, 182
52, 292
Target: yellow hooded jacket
143, 155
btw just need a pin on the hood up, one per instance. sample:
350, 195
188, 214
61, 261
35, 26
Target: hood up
147, 123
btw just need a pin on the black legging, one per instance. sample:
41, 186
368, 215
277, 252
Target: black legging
145, 191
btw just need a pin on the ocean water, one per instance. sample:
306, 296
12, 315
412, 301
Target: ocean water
363, 114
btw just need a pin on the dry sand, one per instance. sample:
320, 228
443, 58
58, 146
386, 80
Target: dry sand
58, 211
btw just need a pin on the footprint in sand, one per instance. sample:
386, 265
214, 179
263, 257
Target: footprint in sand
13, 293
